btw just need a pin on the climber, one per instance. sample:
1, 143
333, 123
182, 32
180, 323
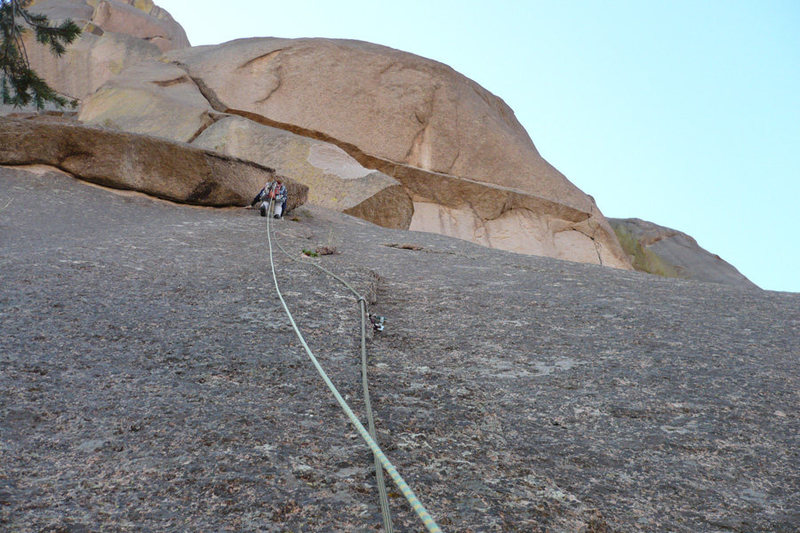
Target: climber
276, 191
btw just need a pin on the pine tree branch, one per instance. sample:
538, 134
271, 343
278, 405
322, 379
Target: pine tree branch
17, 74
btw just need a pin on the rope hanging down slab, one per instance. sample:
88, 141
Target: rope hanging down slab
421, 512
362, 304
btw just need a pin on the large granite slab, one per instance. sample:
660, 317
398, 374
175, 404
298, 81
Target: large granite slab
149, 380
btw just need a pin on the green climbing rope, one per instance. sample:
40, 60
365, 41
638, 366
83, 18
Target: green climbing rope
362, 304
421, 512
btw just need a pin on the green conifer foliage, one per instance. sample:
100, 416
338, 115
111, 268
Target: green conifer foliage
19, 84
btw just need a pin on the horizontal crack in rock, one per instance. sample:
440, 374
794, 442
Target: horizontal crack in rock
170, 83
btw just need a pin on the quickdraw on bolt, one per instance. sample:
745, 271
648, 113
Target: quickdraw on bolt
377, 322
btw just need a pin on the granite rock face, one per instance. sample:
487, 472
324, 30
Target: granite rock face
673, 254
149, 380
160, 99
461, 158
391, 105
142, 19
116, 34
169, 170
151, 98
334, 179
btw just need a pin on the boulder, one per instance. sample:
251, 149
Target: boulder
673, 254
457, 151
161, 168
391, 105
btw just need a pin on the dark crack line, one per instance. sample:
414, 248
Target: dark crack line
592, 236
212, 119
279, 75
206, 91
266, 57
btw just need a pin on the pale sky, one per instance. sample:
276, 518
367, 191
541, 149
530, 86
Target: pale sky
683, 113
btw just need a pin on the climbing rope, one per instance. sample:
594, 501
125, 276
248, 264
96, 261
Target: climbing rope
421, 512
387, 517
362, 304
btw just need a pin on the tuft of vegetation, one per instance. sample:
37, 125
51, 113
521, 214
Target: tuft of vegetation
326, 250
643, 259
20, 85
310, 253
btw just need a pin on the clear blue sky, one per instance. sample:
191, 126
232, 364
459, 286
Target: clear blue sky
684, 113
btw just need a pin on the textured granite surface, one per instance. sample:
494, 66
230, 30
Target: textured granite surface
149, 380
